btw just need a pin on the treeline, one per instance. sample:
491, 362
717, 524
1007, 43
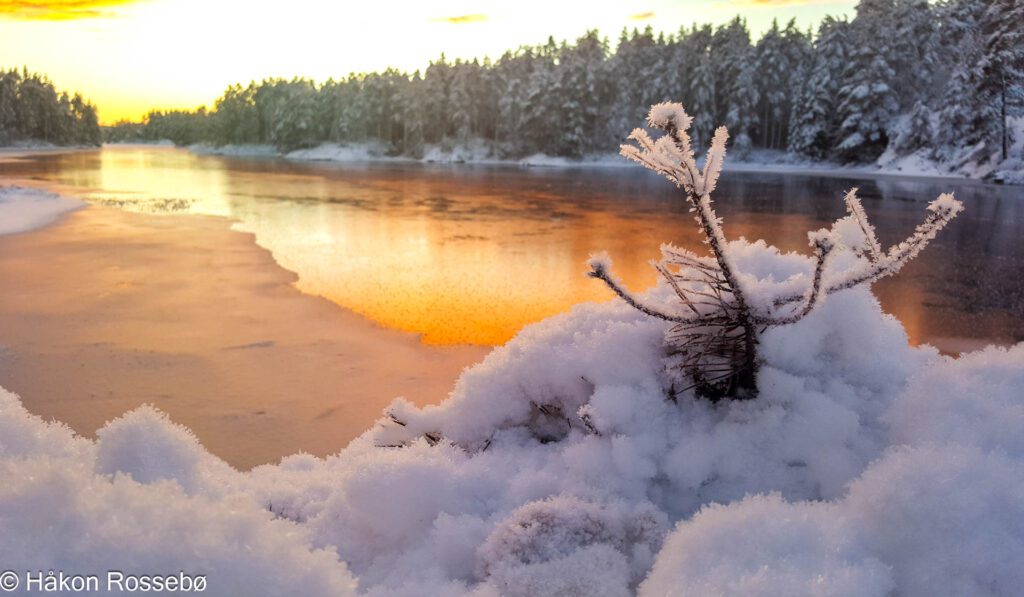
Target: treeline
903, 74
31, 109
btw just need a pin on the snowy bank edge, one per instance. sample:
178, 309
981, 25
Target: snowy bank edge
912, 166
23, 209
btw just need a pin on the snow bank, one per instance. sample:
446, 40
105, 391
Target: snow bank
566, 463
235, 150
333, 152
23, 209
478, 151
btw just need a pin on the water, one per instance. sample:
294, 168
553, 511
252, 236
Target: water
470, 254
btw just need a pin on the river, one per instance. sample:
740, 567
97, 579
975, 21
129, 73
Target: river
469, 254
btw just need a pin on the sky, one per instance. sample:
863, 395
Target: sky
130, 56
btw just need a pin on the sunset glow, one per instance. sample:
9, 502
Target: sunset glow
132, 56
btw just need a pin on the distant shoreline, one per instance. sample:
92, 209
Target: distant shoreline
16, 152
775, 162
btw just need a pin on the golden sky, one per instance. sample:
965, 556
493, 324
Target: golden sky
129, 56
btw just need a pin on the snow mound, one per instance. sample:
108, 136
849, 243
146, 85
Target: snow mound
333, 152
567, 463
23, 209
235, 150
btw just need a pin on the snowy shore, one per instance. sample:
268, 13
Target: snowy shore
23, 209
105, 310
564, 463
479, 152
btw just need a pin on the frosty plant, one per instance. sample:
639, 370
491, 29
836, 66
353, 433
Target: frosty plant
718, 321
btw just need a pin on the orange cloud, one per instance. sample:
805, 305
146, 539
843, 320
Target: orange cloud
58, 10
460, 19
642, 16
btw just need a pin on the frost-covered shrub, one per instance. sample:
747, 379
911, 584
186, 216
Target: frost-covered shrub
720, 314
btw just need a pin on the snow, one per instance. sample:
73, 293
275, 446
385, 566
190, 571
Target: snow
918, 164
332, 152
1011, 170
23, 209
565, 463
244, 151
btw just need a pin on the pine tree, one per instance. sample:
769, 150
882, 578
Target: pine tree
584, 93
775, 67
966, 113
735, 91
699, 76
917, 131
914, 47
1002, 31
461, 106
867, 104
815, 126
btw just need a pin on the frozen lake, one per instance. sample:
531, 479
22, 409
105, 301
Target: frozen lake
470, 254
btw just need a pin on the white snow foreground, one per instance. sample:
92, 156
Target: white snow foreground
23, 209
564, 464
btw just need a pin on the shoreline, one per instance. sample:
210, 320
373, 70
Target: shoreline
107, 310
332, 153
16, 153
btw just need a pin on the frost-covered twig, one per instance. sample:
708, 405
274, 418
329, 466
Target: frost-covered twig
872, 249
599, 269
823, 244
941, 212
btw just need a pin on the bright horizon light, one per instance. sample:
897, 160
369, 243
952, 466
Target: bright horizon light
131, 56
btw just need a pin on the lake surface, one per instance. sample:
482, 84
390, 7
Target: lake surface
470, 254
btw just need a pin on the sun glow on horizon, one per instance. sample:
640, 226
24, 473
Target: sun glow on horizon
131, 56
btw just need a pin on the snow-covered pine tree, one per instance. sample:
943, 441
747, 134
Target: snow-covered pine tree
916, 132
412, 116
485, 101
633, 60
512, 77
914, 52
541, 121
717, 322
867, 104
437, 83
799, 53
584, 92
1002, 30
966, 112
703, 91
735, 91
461, 100
780, 56
815, 126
